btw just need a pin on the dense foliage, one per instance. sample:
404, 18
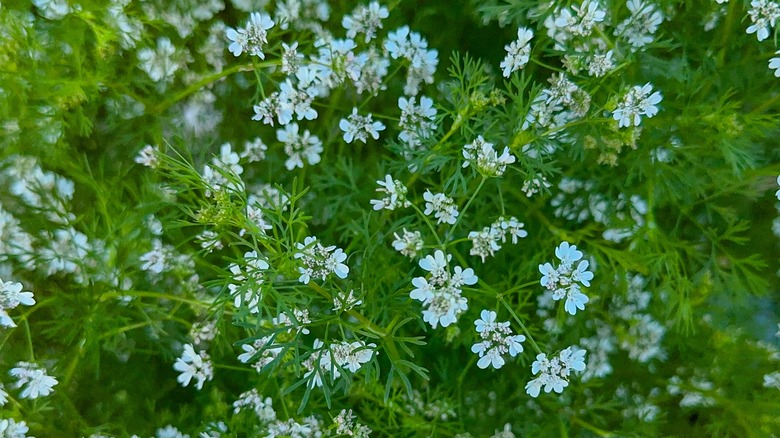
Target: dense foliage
308, 218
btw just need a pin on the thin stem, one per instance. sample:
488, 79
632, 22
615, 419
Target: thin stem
465, 207
520, 323
29, 340
158, 109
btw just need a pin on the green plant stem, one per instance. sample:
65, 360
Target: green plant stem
520, 323
193, 88
465, 207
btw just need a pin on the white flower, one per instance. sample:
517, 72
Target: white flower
11, 296
442, 206
565, 280
409, 243
774, 64
637, 102
3, 398
640, 27
262, 407
440, 292
396, 195
777, 195
169, 431
487, 161
251, 38
299, 147
772, 380
159, 63
320, 261
193, 364
554, 373
148, 157
34, 379
365, 20
518, 52
496, 340
357, 127
417, 122
9, 428
763, 15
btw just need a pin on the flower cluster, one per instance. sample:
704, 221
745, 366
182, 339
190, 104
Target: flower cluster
251, 38
486, 242
481, 155
11, 296
417, 121
442, 207
347, 425
193, 364
564, 281
440, 292
404, 43
261, 352
409, 243
320, 261
640, 27
299, 146
637, 102
497, 340
554, 373
262, 407
395, 195
518, 52
366, 20
338, 356
36, 382
763, 15
246, 281
357, 127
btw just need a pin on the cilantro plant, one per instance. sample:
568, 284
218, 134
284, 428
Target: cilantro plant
302, 218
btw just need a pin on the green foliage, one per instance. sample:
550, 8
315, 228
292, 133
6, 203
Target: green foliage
146, 210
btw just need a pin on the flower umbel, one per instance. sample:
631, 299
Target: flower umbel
565, 280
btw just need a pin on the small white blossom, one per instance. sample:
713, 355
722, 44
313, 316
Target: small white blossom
11, 296
638, 101
366, 20
774, 64
640, 27
251, 38
409, 243
395, 193
34, 379
440, 291
357, 127
497, 339
159, 63
299, 147
417, 122
481, 155
9, 428
554, 373
763, 15
565, 281
772, 380
148, 157
518, 52
193, 364
262, 407
320, 261
344, 302
442, 207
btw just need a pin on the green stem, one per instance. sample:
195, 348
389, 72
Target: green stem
520, 323
465, 207
158, 109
